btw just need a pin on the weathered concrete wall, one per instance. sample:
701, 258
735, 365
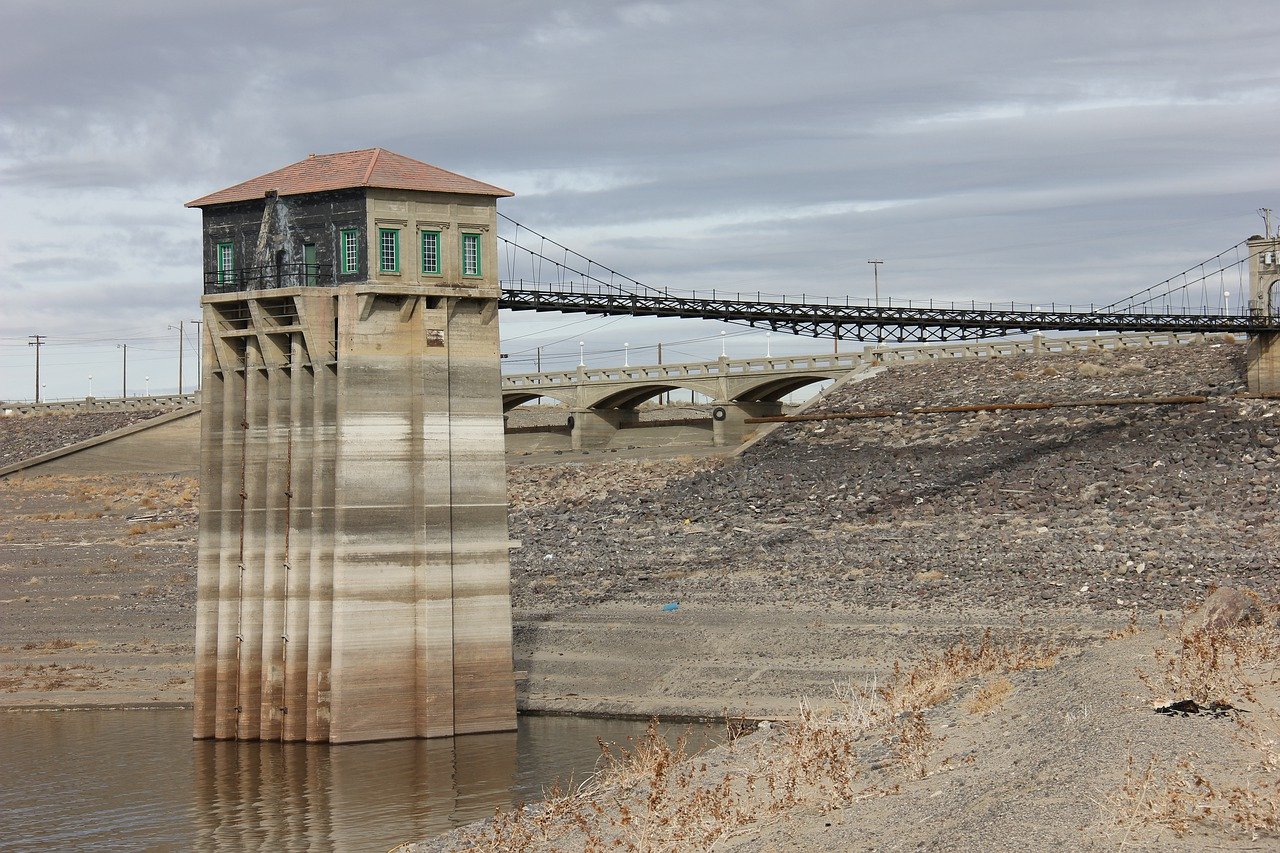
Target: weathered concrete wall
166, 444
272, 229
353, 580
1263, 357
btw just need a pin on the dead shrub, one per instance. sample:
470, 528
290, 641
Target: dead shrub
990, 696
649, 795
1216, 666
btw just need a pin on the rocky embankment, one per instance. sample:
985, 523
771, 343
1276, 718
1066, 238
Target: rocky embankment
25, 436
1101, 507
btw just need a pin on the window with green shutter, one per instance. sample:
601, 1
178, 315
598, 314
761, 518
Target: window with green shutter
471, 254
431, 252
389, 250
349, 250
226, 263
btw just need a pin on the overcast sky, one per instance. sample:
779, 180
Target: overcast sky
989, 150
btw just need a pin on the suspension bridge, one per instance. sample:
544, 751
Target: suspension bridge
561, 279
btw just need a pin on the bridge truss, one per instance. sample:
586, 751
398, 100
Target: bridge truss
565, 281
873, 322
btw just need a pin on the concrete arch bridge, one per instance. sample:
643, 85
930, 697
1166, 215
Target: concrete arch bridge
602, 401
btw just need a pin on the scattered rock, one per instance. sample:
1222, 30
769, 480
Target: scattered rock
1228, 607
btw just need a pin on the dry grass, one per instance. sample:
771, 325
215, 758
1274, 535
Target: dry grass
152, 526
649, 795
48, 676
66, 515
51, 645
990, 696
1215, 665
1222, 668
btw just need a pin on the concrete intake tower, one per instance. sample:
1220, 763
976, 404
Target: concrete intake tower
353, 577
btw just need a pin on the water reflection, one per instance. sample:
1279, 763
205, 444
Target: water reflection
355, 796
134, 780
347, 797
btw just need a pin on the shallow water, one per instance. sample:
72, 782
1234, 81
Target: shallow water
134, 780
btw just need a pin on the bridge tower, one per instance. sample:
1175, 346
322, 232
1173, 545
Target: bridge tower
1264, 301
353, 578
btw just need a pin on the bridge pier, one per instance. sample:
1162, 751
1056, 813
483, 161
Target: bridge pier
1263, 360
596, 427
728, 419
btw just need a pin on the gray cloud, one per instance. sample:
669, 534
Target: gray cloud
985, 149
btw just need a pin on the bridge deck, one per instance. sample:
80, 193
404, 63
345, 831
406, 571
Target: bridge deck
871, 322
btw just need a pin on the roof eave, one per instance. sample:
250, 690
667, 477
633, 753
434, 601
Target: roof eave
208, 200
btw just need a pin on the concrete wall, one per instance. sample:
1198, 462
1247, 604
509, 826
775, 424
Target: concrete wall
172, 447
353, 581
450, 216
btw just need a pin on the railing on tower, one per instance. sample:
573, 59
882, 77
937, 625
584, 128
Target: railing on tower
243, 279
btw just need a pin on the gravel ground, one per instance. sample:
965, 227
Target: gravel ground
1103, 508
22, 437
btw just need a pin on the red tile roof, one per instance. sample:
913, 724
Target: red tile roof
369, 167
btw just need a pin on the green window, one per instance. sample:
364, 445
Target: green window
388, 250
226, 263
310, 269
431, 252
471, 254
349, 250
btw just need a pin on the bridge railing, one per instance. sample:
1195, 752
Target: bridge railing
81, 405
1222, 308
693, 370
830, 362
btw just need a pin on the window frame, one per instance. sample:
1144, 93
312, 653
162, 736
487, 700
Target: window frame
422, 249
349, 251
226, 272
395, 250
479, 243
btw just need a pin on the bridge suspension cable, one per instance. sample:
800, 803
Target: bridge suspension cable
1179, 294
566, 281
546, 255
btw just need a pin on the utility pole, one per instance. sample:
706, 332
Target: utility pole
181, 347
664, 399
124, 370
199, 360
875, 276
37, 341
538, 360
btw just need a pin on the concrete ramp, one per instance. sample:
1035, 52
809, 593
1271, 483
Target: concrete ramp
166, 444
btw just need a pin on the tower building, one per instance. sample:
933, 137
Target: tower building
353, 577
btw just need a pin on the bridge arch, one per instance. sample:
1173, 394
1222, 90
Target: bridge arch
630, 398
511, 399
773, 389
1273, 298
